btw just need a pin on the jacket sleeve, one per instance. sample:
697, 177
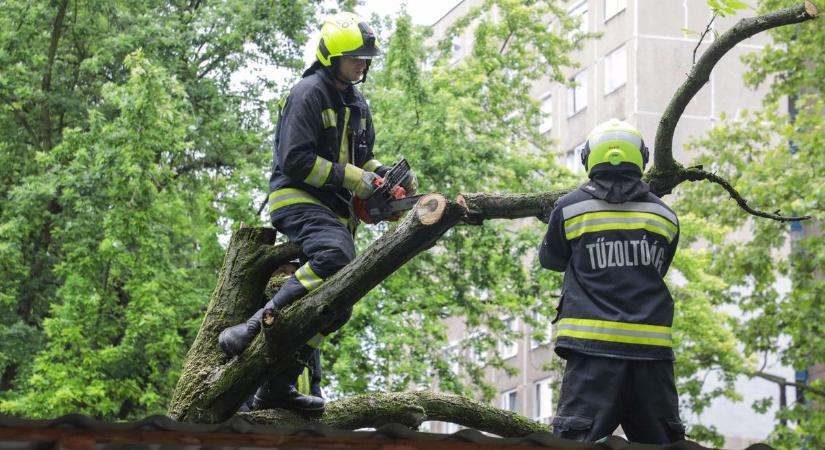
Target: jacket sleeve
299, 133
672, 249
555, 249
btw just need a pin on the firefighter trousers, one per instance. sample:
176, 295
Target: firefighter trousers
328, 246
600, 393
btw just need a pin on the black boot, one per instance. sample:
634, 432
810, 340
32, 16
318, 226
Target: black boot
315, 374
284, 395
235, 339
280, 392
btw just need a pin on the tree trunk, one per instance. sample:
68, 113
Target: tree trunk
250, 260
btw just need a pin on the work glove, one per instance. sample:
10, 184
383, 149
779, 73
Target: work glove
410, 183
361, 182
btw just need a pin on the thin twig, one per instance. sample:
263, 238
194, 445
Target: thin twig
705, 33
782, 381
697, 174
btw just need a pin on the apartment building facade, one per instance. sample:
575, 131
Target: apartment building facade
630, 73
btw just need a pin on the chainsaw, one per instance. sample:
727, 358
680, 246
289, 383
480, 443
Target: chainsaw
389, 199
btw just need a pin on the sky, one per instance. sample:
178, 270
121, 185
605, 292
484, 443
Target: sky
422, 12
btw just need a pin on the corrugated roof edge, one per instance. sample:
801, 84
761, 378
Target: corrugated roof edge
238, 425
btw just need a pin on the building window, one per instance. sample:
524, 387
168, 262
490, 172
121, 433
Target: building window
543, 324
509, 400
613, 7
509, 349
577, 94
456, 45
546, 114
573, 159
456, 49
452, 355
615, 70
579, 11
477, 355
543, 412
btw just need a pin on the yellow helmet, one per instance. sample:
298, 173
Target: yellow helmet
612, 143
346, 34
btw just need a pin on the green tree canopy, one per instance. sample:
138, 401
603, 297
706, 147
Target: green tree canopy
127, 151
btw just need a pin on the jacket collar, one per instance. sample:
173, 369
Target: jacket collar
616, 187
346, 97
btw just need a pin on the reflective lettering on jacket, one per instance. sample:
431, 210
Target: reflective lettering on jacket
614, 257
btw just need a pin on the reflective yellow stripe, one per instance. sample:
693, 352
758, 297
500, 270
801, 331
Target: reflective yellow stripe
308, 278
342, 156
594, 216
320, 172
303, 383
618, 220
371, 165
316, 340
628, 333
290, 196
329, 118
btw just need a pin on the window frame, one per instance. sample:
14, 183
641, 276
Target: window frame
510, 350
609, 69
547, 117
620, 5
579, 81
505, 400
543, 386
538, 317
580, 9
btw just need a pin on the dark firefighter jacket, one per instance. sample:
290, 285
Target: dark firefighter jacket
614, 256
319, 131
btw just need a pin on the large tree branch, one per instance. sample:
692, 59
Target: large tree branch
46, 85
410, 409
700, 74
211, 388
19, 113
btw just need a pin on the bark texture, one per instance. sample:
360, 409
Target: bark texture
251, 258
410, 409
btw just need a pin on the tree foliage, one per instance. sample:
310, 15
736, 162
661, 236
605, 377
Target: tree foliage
775, 160
126, 153
465, 126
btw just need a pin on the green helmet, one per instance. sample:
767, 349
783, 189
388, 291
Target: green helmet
612, 143
345, 34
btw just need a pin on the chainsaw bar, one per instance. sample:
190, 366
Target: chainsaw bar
404, 204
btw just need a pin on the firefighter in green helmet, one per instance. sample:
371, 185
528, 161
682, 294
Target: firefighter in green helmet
614, 240
322, 159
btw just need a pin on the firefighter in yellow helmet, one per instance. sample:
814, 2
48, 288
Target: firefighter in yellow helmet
322, 159
614, 240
